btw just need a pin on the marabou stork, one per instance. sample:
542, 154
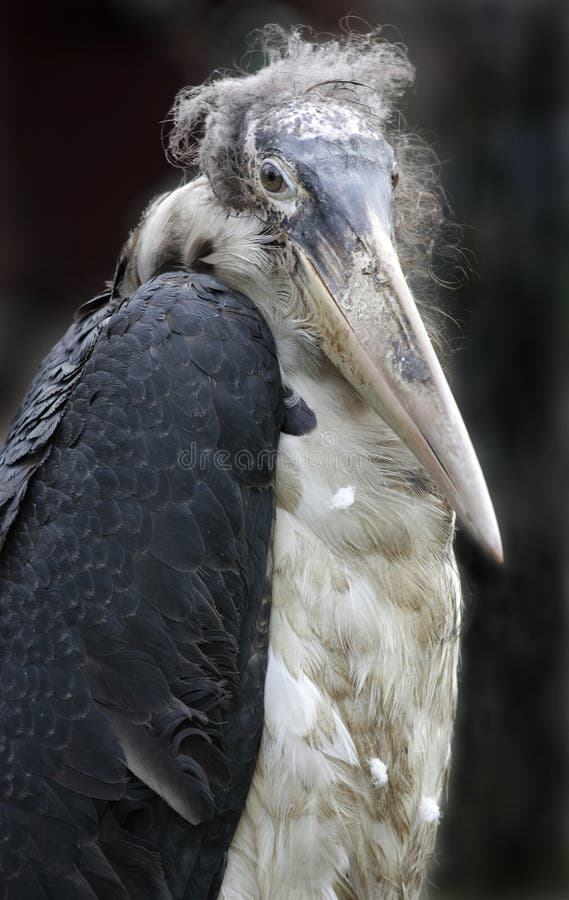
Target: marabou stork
148, 523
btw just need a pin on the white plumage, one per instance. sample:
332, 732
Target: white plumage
363, 665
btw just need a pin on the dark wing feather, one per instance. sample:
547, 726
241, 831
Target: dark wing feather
43, 407
137, 495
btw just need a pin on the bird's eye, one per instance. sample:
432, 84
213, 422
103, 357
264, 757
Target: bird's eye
274, 180
271, 178
394, 177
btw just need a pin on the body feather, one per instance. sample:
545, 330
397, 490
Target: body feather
361, 673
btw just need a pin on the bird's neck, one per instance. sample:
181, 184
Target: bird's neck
189, 227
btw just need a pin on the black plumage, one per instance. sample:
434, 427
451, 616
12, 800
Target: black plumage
136, 502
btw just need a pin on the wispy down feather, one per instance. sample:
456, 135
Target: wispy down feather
209, 122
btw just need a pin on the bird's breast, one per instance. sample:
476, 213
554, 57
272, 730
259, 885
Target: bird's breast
360, 687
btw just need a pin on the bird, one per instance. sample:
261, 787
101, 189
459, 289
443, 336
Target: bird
230, 605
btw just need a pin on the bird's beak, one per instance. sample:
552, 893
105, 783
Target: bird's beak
372, 332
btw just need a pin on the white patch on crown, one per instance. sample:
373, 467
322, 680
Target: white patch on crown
378, 771
430, 810
344, 498
329, 122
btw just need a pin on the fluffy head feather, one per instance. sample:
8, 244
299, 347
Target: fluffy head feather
361, 71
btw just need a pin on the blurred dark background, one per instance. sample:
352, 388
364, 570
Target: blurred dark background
84, 89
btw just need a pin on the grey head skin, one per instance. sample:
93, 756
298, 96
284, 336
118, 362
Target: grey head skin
322, 176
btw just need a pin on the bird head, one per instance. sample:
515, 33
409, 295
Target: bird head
302, 148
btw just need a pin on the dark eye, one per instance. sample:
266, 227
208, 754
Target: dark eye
394, 177
273, 180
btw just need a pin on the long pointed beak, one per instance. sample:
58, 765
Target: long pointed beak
373, 333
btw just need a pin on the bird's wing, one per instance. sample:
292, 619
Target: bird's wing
133, 597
